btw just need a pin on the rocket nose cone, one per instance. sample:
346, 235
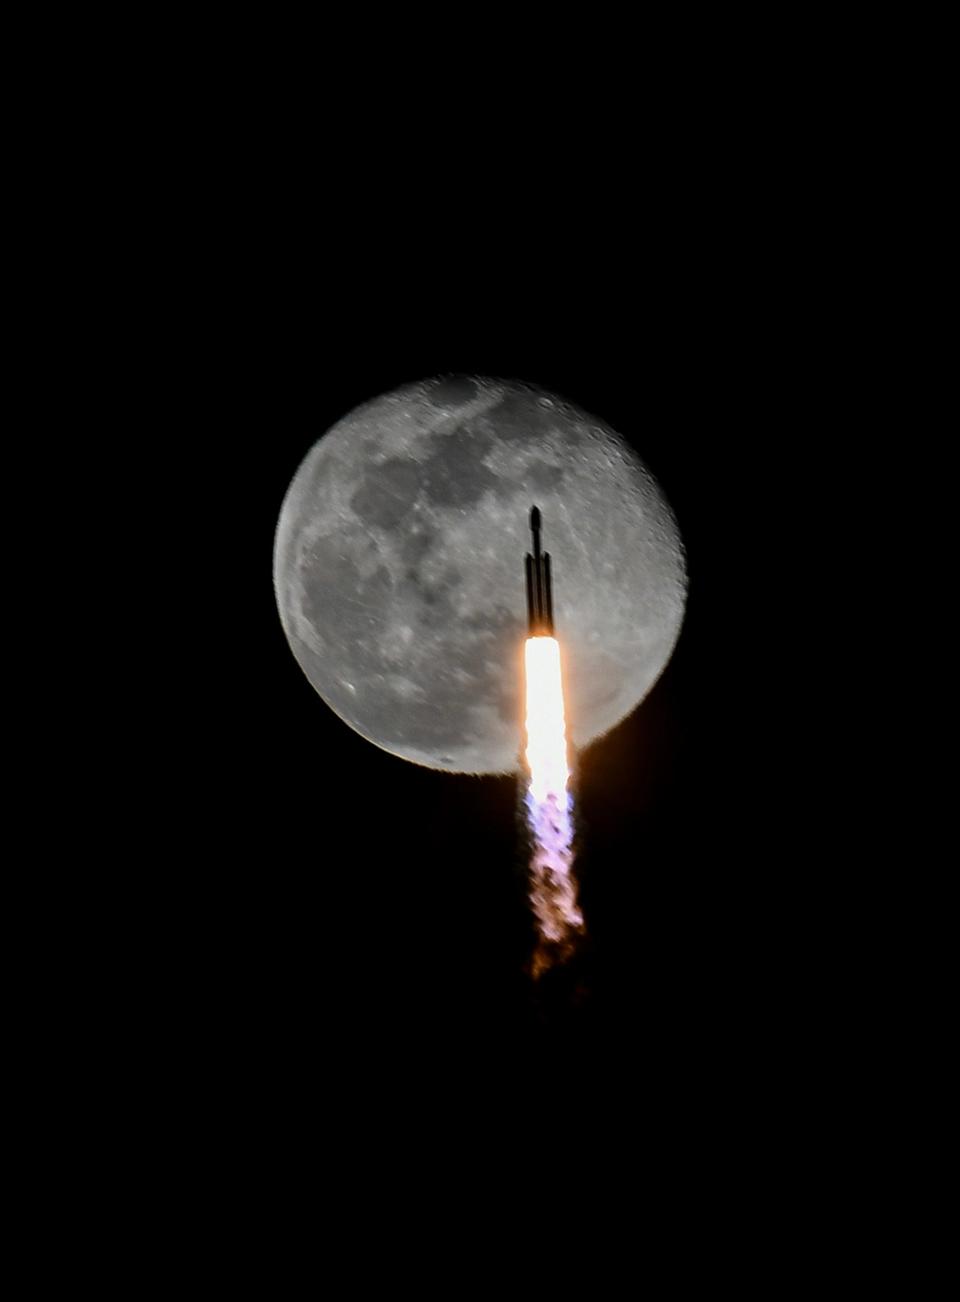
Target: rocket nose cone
535, 518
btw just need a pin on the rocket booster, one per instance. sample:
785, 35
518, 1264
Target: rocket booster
539, 589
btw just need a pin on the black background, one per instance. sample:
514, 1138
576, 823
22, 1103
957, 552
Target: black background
342, 903
326, 920
294, 964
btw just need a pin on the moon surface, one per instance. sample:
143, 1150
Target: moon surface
399, 568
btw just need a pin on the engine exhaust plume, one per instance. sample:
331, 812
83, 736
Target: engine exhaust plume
549, 805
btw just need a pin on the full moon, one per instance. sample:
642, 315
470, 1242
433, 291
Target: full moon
399, 568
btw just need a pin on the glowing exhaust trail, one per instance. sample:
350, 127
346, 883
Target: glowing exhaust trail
549, 804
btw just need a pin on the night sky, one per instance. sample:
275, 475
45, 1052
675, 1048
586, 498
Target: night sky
355, 901
294, 964
331, 943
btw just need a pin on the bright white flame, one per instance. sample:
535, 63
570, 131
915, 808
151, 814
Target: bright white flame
546, 731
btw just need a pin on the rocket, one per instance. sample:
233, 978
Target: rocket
539, 590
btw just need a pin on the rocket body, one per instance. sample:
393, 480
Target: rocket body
539, 585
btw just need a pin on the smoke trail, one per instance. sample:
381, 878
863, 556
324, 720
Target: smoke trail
549, 805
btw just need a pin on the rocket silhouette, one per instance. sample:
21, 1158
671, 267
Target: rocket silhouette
539, 589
